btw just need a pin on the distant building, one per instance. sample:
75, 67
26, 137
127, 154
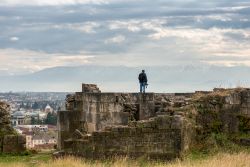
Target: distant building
37, 128
48, 109
19, 118
24, 117
29, 141
44, 140
42, 115
38, 136
40, 141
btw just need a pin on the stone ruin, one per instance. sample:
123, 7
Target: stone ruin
155, 125
10, 142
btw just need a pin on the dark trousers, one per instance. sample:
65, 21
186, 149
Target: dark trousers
142, 87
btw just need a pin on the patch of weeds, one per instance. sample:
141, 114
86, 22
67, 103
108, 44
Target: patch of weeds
196, 154
215, 143
244, 123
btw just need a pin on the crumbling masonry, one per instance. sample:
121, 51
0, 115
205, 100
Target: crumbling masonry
161, 126
10, 142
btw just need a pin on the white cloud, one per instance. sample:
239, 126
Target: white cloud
132, 25
14, 39
244, 20
50, 2
177, 36
88, 27
117, 39
234, 8
207, 44
219, 17
23, 61
228, 63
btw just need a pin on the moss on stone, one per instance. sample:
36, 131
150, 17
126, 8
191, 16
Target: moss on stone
244, 123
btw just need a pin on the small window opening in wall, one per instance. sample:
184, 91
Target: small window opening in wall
116, 99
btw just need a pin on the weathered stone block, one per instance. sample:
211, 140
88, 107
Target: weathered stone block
147, 130
14, 144
132, 131
132, 123
163, 122
90, 88
177, 122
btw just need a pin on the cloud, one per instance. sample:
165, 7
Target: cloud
14, 39
202, 43
226, 63
116, 39
87, 27
216, 17
26, 61
50, 3
143, 33
131, 25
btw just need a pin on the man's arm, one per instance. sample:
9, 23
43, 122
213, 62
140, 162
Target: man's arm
146, 79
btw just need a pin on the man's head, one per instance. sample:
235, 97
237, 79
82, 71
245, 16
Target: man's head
143, 71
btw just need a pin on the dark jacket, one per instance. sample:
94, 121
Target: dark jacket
143, 78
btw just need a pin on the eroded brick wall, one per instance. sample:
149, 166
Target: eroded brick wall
13, 144
98, 125
107, 124
161, 137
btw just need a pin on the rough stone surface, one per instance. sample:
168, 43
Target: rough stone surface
9, 141
225, 111
5, 124
161, 126
133, 124
153, 138
14, 144
90, 88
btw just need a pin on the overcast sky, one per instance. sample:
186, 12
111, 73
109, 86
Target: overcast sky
39, 34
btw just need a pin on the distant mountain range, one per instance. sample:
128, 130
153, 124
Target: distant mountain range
120, 79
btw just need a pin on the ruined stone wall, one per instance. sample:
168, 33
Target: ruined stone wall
90, 114
153, 125
98, 110
63, 128
13, 144
107, 109
223, 111
160, 137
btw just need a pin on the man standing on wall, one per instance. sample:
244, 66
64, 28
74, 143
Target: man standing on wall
143, 81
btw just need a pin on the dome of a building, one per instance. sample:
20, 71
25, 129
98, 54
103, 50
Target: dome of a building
48, 108
18, 114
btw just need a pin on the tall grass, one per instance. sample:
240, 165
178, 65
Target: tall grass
241, 159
